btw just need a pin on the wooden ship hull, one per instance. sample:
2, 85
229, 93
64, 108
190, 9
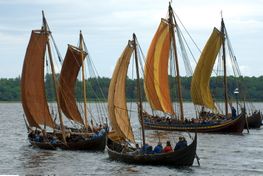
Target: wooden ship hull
43, 145
254, 121
182, 157
96, 143
231, 126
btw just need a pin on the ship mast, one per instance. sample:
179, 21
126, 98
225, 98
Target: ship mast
83, 80
139, 97
224, 63
46, 30
179, 92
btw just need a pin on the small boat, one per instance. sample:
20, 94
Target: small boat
121, 144
183, 157
254, 120
254, 116
44, 129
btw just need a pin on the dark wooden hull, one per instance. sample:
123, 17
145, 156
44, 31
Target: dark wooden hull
97, 143
182, 157
254, 121
43, 145
231, 126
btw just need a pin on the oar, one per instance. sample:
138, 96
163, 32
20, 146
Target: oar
27, 126
247, 125
197, 159
244, 111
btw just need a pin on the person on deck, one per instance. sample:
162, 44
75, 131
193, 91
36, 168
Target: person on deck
144, 148
168, 147
137, 150
182, 143
31, 134
158, 148
149, 150
234, 112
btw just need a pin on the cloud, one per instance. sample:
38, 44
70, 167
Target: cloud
108, 25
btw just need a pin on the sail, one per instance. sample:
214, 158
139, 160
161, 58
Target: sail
200, 90
33, 95
156, 84
67, 80
117, 106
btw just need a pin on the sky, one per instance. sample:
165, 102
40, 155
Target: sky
108, 25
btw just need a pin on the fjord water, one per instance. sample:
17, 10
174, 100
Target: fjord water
219, 154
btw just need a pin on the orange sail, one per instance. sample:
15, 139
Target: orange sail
117, 106
33, 95
200, 89
67, 80
156, 82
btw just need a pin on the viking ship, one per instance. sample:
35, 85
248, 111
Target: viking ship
121, 140
157, 88
43, 129
95, 136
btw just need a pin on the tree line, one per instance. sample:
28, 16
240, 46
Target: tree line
97, 88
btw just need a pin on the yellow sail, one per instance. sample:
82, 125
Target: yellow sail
200, 90
156, 84
33, 95
67, 81
117, 106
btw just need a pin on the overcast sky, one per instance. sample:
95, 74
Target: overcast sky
108, 25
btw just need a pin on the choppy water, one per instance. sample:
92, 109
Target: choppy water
219, 154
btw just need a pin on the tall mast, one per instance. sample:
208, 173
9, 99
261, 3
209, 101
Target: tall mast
83, 80
179, 92
138, 88
224, 63
54, 78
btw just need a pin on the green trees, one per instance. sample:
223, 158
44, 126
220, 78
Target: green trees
10, 89
97, 89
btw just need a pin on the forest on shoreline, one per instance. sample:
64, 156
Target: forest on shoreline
97, 89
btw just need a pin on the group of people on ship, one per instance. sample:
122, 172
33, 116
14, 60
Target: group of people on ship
148, 149
71, 134
205, 118
37, 135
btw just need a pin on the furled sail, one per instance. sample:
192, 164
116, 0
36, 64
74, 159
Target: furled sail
67, 80
33, 95
156, 82
117, 106
200, 89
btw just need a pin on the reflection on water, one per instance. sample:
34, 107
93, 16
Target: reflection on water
219, 154
37, 158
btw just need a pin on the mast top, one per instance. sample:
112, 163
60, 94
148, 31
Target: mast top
170, 12
170, 2
44, 18
222, 19
134, 36
43, 15
45, 25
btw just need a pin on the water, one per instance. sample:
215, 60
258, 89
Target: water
219, 154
